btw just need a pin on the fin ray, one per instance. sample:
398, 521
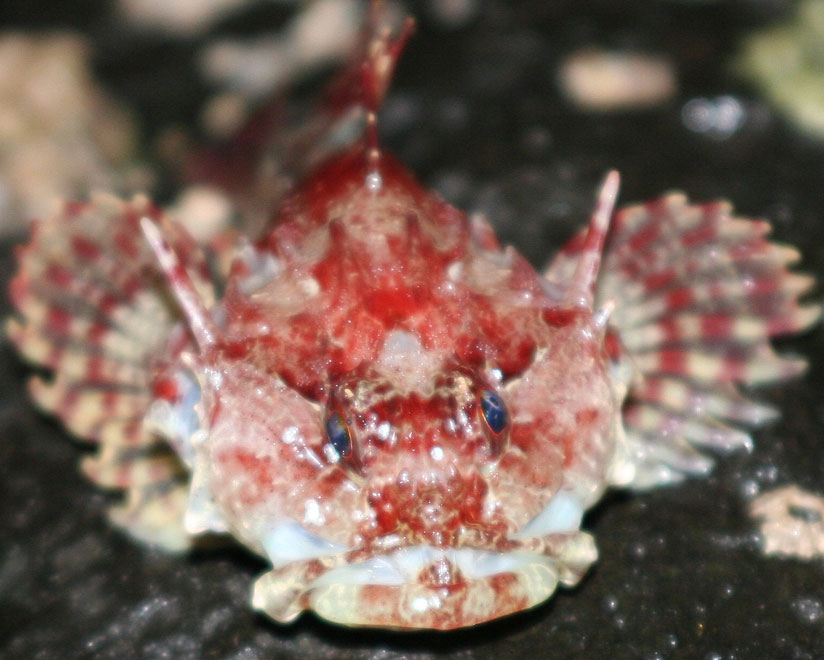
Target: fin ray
93, 307
700, 293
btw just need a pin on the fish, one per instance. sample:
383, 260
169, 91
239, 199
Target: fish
405, 419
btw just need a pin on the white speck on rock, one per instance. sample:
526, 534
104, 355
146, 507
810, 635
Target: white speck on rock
792, 522
809, 610
716, 118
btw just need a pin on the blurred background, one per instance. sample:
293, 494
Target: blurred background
512, 109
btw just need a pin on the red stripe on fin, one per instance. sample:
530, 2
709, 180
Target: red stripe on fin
93, 307
699, 295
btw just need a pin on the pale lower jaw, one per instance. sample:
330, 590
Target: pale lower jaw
405, 565
424, 586
388, 590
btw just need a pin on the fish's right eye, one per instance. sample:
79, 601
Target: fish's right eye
494, 411
339, 435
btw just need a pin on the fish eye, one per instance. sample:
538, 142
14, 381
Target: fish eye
494, 411
337, 430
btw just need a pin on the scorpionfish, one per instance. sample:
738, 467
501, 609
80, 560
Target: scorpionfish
406, 420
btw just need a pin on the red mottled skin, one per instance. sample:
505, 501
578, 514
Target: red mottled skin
405, 419
359, 267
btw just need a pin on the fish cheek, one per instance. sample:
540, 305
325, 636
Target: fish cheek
262, 461
528, 472
563, 411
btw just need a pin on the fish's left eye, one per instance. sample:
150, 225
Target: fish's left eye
494, 411
337, 430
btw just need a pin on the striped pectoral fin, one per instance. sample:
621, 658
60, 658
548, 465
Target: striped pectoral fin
93, 307
132, 459
699, 295
155, 516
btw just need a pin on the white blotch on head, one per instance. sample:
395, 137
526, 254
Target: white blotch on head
436, 453
215, 378
406, 362
309, 286
329, 452
263, 269
374, 181
447, 287
312, 513
495, 375
384, 430
290, 435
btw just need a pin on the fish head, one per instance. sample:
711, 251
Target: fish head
418, 490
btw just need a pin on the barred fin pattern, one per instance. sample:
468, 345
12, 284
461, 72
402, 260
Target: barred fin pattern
93, 307
699, 294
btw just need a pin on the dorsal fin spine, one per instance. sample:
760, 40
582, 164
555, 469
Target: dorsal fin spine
586, 272
200, 320
382, 54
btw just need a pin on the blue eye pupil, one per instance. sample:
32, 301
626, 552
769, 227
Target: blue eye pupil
338, 433
494, 411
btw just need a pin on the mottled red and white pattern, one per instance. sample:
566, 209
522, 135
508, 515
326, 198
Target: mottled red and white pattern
406, 420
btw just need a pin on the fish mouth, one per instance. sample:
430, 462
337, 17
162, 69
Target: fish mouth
427, 587
423, 586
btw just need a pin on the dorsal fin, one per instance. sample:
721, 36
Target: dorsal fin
200, 321
383, 49
586, 272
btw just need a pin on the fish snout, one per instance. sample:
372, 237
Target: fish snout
429, 507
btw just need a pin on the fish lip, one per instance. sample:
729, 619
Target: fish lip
403, 565
392, 590
562, 514
289, 542
402, 586
419, 585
